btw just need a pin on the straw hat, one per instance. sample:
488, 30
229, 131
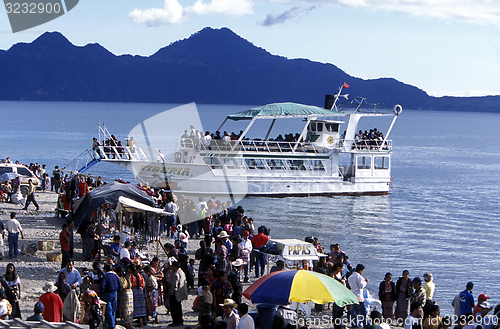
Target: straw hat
238, 262
49, 287
223, 234
229, 302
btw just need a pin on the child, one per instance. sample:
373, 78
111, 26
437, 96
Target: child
38, 312
205, 298
192, 271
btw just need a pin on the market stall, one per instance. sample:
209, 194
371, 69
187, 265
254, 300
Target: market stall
150, 230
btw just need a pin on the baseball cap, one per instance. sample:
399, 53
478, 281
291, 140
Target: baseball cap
483, 296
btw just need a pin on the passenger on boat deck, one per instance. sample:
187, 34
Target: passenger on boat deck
185, 135
192, 133
95, 144
217, 135
207, 138
226, 137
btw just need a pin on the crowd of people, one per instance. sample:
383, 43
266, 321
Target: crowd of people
369, 139
228, 252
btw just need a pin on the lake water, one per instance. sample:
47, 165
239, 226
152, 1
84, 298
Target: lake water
441, 217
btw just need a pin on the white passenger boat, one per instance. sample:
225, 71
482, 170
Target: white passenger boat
322, 161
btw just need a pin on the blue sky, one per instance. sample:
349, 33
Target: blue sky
445, 47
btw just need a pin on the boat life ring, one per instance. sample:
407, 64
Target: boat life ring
330, 140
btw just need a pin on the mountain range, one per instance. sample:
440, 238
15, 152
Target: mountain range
212, 66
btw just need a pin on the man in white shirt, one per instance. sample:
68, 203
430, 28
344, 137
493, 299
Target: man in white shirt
415, 316
207, 139
246, 321
357, 283
14, 228
246, 250
232, 319
125, 252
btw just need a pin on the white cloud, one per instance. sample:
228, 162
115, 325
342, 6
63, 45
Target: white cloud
474, 11
226, 7
173, 12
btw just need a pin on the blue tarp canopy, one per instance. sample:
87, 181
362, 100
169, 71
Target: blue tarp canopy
108, 194
283, 110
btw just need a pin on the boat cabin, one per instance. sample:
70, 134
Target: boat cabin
324, 133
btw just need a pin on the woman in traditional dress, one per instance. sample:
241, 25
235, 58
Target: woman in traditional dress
88, 241
138, 285
404, 289
96, 274
387, 295
158, 274
221, 289
151, 297
125, 299
63, 288
14, 282
91, 313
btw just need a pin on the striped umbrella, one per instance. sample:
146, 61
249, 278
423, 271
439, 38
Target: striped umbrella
283, 287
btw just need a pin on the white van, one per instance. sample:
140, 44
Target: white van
23, 172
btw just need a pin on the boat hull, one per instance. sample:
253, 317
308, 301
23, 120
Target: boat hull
200, 179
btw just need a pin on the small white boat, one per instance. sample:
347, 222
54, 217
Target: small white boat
321, 161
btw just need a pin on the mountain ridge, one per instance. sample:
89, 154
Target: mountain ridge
213, 66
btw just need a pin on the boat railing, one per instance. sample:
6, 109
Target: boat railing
260, 146
119, 153
358, 145
254, 146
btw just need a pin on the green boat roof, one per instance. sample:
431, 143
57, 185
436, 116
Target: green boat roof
283, 110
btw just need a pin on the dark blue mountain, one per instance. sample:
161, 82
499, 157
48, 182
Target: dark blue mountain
212, 66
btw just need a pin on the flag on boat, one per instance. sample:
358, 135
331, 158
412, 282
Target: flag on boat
345, 85
346, 96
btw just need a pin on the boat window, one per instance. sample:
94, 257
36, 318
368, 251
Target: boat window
275, 164
178, 157
232, 163
255, 164
320, 126
316, 165
312, 126
296, 164
212, 162
381, 162
332, 127
364, 162
24, 171
3, 170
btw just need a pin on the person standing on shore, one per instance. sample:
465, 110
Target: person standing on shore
467, 299
358, 284
258, 240
71, 224
387, 294
110, 287
31, 196
65, 248
404, 289
14, 228
177, 293
52, 302
14, 282
429, 288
